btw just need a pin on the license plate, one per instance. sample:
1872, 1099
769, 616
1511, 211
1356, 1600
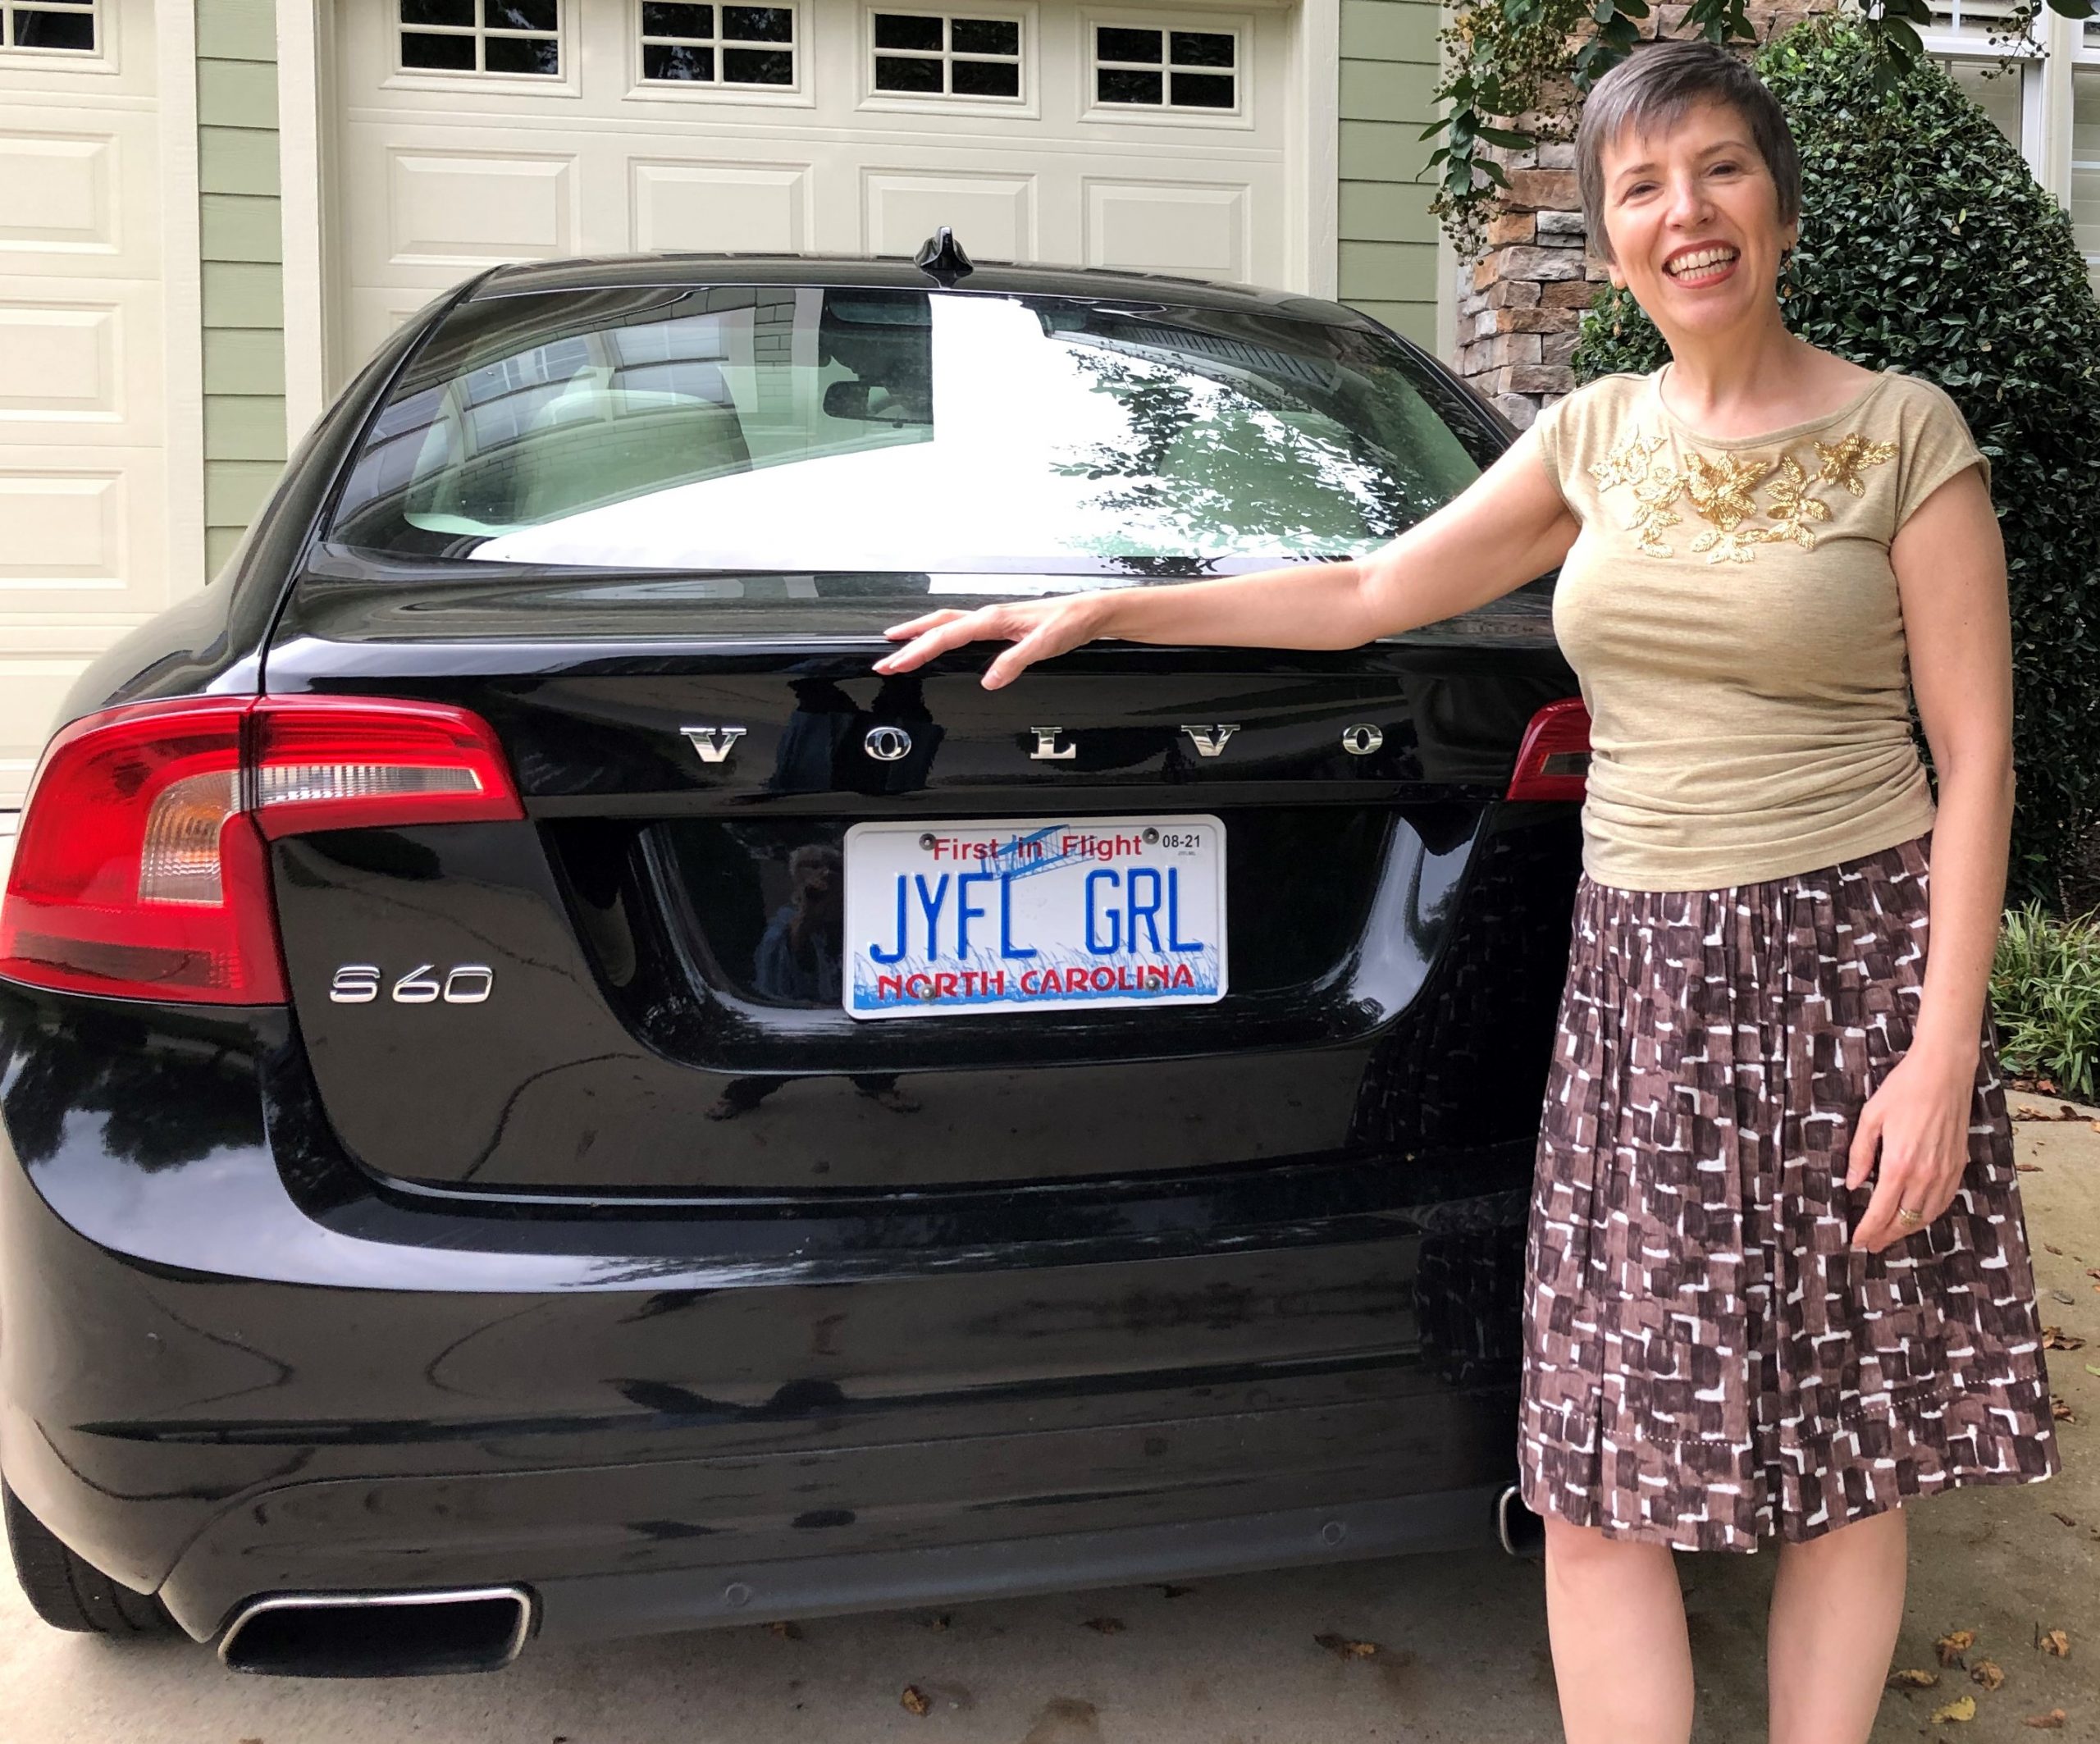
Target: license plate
1030, 916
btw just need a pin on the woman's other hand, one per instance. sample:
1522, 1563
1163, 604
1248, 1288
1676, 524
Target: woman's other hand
1919, 1121
1039, 630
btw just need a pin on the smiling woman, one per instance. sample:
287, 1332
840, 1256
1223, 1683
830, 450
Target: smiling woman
1777, 1278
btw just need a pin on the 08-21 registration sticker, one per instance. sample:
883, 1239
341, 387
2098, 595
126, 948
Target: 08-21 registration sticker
1000, 914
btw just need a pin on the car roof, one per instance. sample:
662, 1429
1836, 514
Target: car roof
616, 271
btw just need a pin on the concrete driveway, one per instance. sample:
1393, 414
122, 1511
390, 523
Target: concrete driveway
1460, 1640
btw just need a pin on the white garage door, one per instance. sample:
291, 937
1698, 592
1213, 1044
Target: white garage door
472, 131
82, 473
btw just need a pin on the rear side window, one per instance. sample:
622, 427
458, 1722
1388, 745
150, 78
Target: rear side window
825, 429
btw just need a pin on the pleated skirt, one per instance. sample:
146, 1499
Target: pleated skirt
1707, 1362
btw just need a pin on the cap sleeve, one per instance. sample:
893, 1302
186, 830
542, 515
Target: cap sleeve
1938, 446
1549, 436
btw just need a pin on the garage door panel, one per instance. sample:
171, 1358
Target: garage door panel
469, 209
58, 191
60, 361
80, 362
1169, 226
69, 530
758, 208
994, 214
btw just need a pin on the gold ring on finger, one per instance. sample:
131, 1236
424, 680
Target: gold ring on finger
1909, 1215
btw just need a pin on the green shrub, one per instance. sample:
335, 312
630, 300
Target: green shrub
2045, 995
1927, 246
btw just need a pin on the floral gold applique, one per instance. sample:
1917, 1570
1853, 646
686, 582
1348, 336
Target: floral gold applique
1842, 461
1652, 497
1723, 490
1626, 463
1792, 506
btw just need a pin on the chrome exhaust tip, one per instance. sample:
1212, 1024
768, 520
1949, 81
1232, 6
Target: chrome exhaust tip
379, 1635
1522, 1532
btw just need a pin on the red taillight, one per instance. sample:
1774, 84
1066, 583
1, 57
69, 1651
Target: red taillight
1554, 760
140, 871
351, 762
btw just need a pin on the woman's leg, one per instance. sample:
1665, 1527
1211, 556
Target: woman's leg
1622, 1659
1837, 1603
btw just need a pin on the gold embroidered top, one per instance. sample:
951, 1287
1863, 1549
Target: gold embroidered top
1731, 614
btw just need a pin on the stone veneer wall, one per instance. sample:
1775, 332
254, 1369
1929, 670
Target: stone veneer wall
1520, 301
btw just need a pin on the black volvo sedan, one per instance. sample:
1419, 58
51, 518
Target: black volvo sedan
542, 1097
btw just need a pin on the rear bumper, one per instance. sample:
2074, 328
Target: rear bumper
241, 1547
230, 1366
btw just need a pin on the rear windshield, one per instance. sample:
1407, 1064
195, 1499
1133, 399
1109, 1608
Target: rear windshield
824, 429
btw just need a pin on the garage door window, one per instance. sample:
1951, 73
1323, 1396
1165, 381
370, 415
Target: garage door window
935, 54
60, 24
508, 37
734, 45
1160, 69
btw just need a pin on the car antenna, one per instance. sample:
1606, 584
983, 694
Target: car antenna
941, 258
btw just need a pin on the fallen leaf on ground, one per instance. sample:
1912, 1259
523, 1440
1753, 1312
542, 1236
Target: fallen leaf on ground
914, 1700
2065, 1518
791, 1631
1960, 1711
2027, 1168
1105, 1625
2053, 1640
1989, 1673
2066, 1111
1346, 1648
2093, 1368
1950, 1647
2061, 1412
2053, 1247
2064, 1297
2055, 1338
1914, 1679
2052, 1721
1168, 1590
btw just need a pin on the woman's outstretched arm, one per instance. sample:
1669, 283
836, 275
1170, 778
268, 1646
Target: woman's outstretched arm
1506, 528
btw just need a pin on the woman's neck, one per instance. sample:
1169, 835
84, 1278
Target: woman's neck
1747, 384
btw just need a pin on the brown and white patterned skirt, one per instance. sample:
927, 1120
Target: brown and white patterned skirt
1706, 1361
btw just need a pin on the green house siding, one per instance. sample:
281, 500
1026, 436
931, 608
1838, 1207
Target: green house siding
1388, 265
244, 291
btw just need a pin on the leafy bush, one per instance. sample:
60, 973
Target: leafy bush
2045, 995
1927, 246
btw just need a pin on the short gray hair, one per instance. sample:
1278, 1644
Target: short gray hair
1654, 87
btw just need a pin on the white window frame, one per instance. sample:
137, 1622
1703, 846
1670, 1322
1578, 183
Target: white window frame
101, 58
1238, 25
799, 95
2083, 56
404, 77
1027, 105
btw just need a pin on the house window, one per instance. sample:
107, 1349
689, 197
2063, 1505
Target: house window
2084, 202
1980, 19
744, 45
68, 26
932, 54
1157, 68
1998, 94
504, 37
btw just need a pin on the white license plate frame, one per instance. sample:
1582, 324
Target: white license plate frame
1038, 914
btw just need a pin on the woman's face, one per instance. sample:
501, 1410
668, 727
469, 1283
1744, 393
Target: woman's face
1698, 190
